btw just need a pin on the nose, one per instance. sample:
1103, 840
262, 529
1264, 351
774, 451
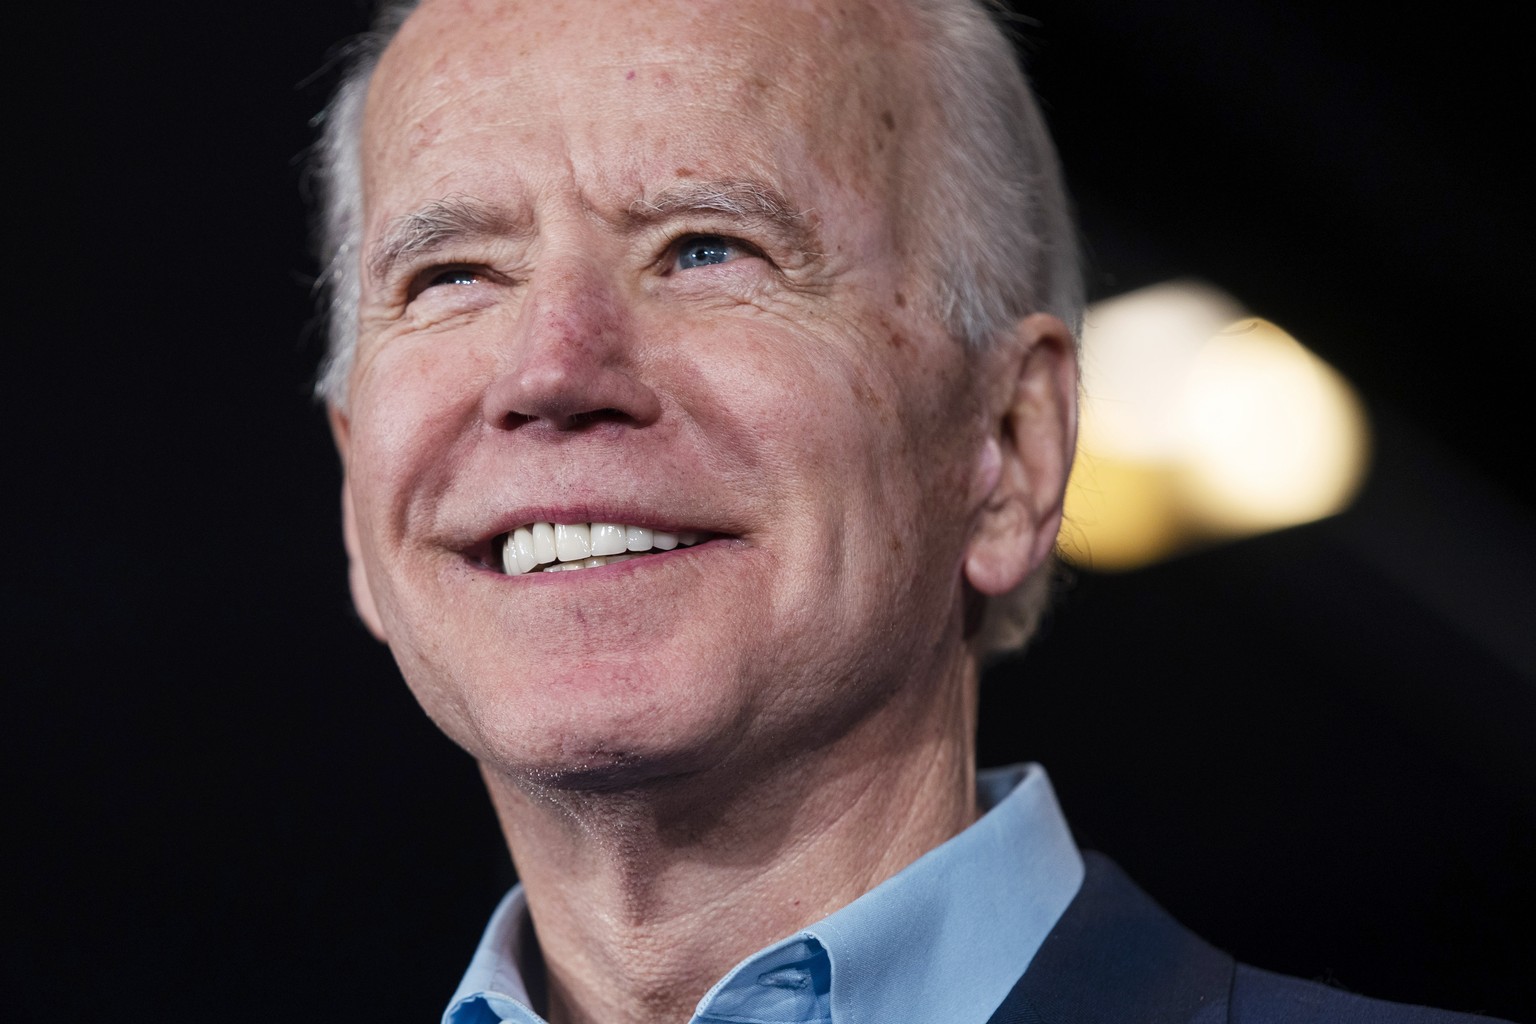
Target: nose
570, 363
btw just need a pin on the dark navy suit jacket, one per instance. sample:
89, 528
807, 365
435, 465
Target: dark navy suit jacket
1116, 957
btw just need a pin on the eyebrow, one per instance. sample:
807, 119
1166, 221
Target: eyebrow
444, 222
436, 226
742, 199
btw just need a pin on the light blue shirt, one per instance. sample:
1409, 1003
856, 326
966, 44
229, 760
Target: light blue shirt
945, 939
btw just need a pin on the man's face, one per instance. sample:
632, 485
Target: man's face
660, 282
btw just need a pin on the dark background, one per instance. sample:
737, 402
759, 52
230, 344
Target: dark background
1314, 747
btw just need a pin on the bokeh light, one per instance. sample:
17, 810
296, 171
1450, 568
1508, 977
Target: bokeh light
1201, 423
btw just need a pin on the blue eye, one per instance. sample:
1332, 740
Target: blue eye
705, 251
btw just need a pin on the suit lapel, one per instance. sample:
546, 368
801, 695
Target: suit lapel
1116, 957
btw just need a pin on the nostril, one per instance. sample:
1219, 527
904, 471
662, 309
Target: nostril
580, 419
513, 420
569, 421
559, 397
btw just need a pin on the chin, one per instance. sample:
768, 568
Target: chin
598, 728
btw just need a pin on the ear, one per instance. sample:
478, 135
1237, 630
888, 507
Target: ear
1032, 435
357, 572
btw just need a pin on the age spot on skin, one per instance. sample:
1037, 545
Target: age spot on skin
901, 301
869, 398
893, 337
421, 138
888, 119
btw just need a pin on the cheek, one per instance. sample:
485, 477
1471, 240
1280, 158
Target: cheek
411, 408
841, 407
759, 400
424, 374
926, 441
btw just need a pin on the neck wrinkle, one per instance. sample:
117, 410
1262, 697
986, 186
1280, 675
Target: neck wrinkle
628, 890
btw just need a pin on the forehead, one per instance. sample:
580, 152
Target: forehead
632, 92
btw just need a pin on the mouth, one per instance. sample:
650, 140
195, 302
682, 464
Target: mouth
566, 547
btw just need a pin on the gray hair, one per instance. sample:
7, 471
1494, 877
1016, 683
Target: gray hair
995, 236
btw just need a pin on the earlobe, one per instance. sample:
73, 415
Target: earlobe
1032, 428
357, 572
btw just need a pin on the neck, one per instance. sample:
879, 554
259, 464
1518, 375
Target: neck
642, 899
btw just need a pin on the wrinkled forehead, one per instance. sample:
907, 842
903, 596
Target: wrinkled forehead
779, 82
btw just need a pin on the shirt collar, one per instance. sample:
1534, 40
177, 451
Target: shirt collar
492, 989
945, 939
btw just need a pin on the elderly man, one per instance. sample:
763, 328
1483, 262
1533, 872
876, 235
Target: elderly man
705, 383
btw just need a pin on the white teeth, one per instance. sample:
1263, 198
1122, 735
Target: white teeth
607, 539
520, 550
543, 543
558, 547
573, 541
588, 563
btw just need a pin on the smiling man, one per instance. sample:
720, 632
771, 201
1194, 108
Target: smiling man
705, 383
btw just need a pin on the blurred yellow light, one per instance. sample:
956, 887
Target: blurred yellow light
1136, 352
1120, 514
1196, 427
1272, 436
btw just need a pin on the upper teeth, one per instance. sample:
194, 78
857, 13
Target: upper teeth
582, 545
